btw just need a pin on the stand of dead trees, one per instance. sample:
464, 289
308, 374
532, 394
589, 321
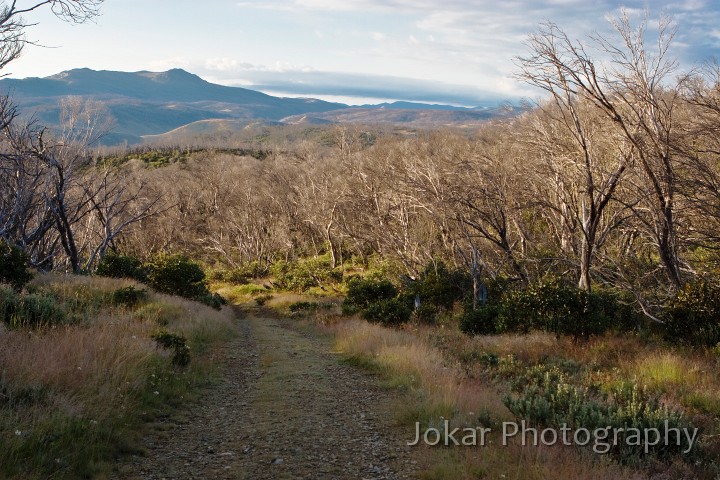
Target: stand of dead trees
613, 179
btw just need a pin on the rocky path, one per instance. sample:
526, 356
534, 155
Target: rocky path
287, 408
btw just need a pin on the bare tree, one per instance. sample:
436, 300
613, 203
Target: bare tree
13, 21
115, 204
632, 92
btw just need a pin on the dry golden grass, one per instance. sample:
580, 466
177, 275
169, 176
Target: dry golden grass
425, 360
75, 392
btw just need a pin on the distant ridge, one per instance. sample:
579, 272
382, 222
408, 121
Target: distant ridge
151, 103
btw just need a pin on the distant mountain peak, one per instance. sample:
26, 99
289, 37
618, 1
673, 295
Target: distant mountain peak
172, 75
151, 103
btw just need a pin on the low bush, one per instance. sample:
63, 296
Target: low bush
211, 299
115, 265
544, 397
441, 287
553, 306
129, 296
392, 311
176, 343
479, 321
178, 275
13, 266
302, 275
309, 306
30, 310
241, 275
426, 313
693, 316
9, 301
262, 299
363, 292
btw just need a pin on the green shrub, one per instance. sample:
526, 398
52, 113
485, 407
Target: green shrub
441, 287
176, 275
364, 292
121, 266
392, 311
481, 321
425, 313
240, 275
9, 302
693, 316
212, 300
545, 398
550, 305
309, 306
304, 274
31, 310
176, 343
303, 306
129, 296
13, 266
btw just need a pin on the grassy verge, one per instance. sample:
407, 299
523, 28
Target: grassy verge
470, 381
74, 395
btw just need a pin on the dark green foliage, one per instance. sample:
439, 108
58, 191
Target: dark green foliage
176, 275
13, 266
377, 301
241, 275
552, 306
391, 311
129, 296
303, 306
302, 275
693, 316
441, 287
9, 304
481, 321
121, 266
544, 397
364, 292
172, 274
426, 313
37, 310
176, 343
30, 310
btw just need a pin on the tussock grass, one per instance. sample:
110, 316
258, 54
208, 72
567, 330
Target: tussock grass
666, 370
72, 396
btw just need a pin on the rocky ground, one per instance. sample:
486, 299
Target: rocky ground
286, 408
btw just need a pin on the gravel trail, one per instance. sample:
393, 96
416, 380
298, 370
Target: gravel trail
286, 408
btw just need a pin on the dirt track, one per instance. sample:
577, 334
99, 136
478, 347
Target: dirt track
287, 408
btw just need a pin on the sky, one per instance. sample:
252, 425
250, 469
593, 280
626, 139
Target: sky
457, 52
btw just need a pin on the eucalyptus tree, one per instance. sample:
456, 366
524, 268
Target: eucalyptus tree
632, 88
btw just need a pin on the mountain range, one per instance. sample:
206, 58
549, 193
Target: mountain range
152, 103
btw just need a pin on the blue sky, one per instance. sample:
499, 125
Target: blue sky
446, 51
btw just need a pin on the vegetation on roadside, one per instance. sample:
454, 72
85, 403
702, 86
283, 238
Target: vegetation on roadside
86, 361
